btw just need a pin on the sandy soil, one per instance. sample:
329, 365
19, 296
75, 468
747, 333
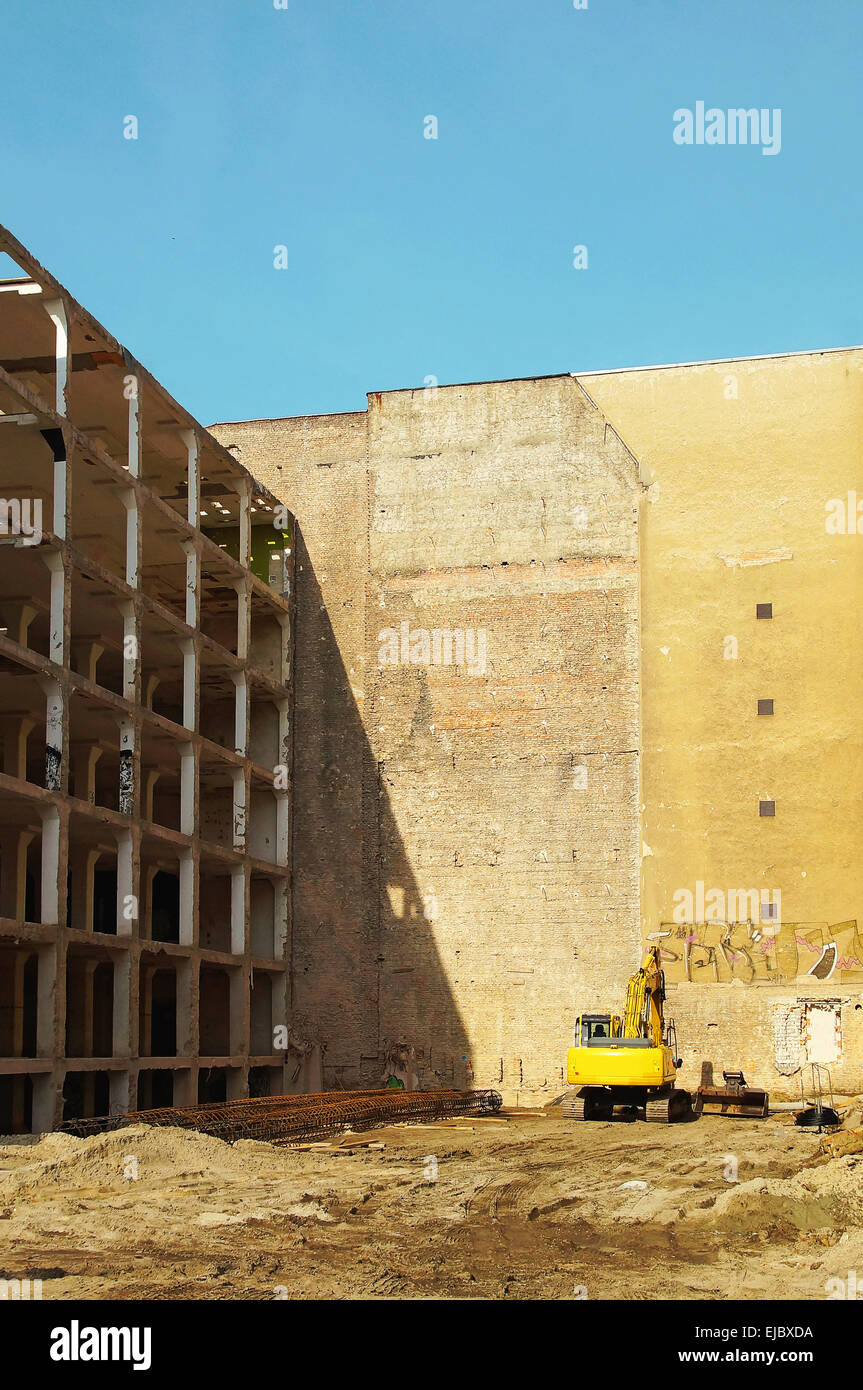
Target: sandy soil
520, 1207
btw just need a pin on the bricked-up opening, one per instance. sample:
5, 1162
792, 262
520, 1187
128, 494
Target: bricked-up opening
765, 706
215, 906
764, 610
264, 730
265, 649
89, 1006
262, 904
157, 1003
215, 1013
767, 808
220, 784
86, 1094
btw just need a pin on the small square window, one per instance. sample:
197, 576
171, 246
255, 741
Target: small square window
764, 610
767, 808
765, 706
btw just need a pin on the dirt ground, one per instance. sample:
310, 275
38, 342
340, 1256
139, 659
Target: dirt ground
520, 1207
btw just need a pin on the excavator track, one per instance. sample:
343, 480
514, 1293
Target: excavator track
658, 1112
574, 1107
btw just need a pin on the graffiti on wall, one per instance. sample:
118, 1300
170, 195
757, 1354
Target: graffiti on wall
760, 954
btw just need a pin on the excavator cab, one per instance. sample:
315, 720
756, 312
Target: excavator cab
594, 1030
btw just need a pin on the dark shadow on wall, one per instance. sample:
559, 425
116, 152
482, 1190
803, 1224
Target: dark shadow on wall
354, 895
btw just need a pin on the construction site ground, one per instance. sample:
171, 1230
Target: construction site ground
522, 1206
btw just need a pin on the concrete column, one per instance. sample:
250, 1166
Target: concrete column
133, 394
128, 768
241, 711
192, 583
127, 899
244, 618
193, 478
188, 898
131, 651
239, 895
188, 780
240, 799
283, 676
283, 828
56, 738
125, 1006
244, 488
190, 683
51, 865
56, 310
83, 866
58, 605
119, 1091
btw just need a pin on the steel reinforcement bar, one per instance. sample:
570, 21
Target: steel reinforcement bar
291, 1119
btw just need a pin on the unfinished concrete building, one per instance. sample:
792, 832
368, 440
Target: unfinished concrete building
145, 719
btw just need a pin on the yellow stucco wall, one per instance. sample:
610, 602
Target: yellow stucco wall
742, 457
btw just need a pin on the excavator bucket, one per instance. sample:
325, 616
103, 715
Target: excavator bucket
734, 1098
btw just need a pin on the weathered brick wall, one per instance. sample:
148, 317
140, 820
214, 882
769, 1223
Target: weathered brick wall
466, 846
507, 509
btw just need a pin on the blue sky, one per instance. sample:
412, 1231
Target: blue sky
410, 257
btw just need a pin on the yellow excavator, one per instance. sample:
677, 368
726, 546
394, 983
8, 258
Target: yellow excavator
630, 1061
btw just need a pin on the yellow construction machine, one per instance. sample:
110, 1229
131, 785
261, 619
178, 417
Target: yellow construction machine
630, 1061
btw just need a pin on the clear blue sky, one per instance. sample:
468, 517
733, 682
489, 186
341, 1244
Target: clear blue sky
411, 257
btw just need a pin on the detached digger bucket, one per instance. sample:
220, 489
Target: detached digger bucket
734, 1098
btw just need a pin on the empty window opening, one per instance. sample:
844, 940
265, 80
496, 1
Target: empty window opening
212, 1085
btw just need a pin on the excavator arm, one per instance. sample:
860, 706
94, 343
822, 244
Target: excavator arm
645, 993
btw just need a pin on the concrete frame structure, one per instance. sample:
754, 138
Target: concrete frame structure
146, 636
